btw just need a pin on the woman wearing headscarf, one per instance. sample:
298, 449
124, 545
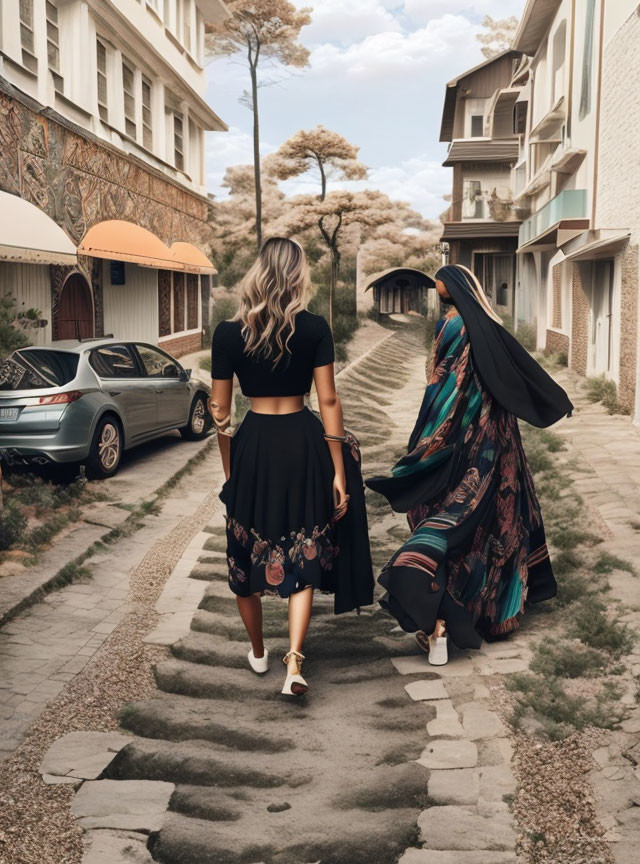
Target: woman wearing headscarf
477, 550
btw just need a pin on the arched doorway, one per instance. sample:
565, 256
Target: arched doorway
74, 315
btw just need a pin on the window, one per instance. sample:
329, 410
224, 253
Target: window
26, 35
101, 52
178, 146
473, 200
477, 125
186, 25
178, 302
114, 361
29, 369
157, 364
147, 129
128, 84
587, 57
53, 37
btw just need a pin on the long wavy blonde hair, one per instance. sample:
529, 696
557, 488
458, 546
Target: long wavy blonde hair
274, 290
478, 291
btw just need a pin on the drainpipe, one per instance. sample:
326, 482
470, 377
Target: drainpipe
572, 40
596, 149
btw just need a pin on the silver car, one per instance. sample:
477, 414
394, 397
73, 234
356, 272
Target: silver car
88, 400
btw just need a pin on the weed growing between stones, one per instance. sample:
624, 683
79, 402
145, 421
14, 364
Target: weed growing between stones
601, 389
586, 638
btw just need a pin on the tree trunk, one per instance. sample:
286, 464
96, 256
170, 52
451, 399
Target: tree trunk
335, 263
256, 153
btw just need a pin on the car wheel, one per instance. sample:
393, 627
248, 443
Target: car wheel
106, 448
199, 420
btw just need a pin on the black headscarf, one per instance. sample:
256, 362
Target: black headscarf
513, 378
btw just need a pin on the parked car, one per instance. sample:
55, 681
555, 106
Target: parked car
89, 400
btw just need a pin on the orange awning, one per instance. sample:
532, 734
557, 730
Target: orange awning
191, 258
118, 240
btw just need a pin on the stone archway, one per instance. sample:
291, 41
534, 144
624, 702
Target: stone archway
73, 316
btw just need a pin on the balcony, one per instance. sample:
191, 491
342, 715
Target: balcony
566, 213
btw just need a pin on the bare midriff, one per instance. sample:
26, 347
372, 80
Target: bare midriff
276, 404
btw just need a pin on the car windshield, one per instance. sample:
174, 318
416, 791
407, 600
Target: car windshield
37, 369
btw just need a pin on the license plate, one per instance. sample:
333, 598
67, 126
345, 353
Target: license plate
8, 413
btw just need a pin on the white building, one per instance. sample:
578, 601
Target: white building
577, 177
103, 117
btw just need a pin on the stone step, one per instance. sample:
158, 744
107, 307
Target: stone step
195, 679
209, 572
183, 718
284, 835
215, 544
212, 601
198, 763
210, 650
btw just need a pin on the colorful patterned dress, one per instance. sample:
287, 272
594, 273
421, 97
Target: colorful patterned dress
477, 550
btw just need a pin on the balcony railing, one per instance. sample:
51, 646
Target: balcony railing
569, 204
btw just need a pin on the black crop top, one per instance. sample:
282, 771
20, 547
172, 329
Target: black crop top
310, 345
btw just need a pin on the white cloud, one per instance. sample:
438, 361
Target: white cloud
421, 11
340, 22
393, 53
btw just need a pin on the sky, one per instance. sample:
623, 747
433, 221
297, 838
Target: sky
377, 74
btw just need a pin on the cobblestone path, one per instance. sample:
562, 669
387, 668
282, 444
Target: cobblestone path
218, 767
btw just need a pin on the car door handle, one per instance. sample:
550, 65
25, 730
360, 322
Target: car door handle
114, 393
159, 392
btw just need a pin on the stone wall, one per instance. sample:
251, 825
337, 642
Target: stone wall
580, 303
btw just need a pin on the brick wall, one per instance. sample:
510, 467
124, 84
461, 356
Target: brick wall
579, 323
182, 345
618, 201
556, 343
628, 328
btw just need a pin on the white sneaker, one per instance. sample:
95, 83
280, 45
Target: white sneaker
259, 664
438, 655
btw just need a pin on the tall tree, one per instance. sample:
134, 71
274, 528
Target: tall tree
261, 29
319, 148
334, 216
497, 35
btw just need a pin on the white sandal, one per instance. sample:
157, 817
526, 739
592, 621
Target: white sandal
294, 684
438, 653
259, 664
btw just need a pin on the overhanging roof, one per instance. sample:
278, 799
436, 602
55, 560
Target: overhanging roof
393, 273
536, 20
29, 236
482, 150
595, 244
468, 230
191, 258
448, 111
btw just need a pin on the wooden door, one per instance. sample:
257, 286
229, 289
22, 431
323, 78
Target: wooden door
74, 316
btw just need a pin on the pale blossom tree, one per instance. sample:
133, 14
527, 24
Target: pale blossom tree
497, 35
329, 152
259, 30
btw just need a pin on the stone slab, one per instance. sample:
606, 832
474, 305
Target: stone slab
129, 805
416, 664
449, 754
454, 786
458, 828
431, 856
479, 722
496, 781
83, 755
115, 847
447, 722
420, 690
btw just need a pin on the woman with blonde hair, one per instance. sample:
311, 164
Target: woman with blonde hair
294, 495
477, 550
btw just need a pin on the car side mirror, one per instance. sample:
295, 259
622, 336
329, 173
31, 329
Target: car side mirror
187, 374
171, 371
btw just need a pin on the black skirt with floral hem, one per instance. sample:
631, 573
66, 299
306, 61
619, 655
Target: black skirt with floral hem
279, 506
281, 536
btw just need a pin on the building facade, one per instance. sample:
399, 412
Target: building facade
481, 224
103, 120
577, 180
